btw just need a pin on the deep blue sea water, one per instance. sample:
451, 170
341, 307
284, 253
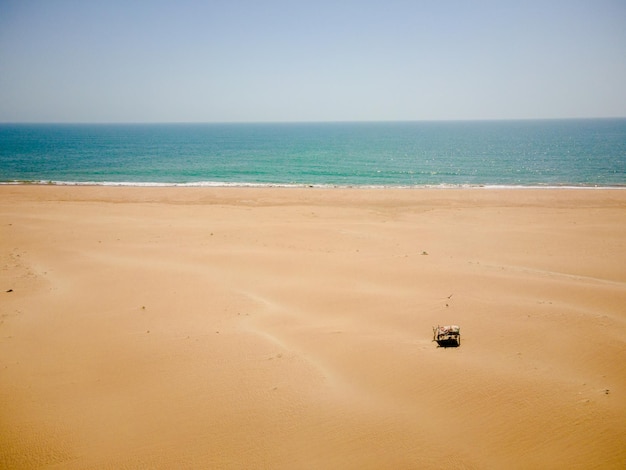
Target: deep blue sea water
577, 152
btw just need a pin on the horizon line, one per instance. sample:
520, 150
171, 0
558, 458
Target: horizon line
346, 121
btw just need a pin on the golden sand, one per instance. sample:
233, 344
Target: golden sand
292, 328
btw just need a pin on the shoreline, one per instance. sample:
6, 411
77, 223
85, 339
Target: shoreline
273, 327
216, 184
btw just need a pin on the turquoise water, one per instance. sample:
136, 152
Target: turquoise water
499, 153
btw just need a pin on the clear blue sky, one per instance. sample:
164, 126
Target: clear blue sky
232, 60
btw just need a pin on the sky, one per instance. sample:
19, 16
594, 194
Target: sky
337, 60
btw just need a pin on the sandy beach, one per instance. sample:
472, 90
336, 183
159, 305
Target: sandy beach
289, 328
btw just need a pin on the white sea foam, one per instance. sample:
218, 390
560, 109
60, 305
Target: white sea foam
221, 184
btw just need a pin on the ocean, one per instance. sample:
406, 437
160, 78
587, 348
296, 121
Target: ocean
525, 153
